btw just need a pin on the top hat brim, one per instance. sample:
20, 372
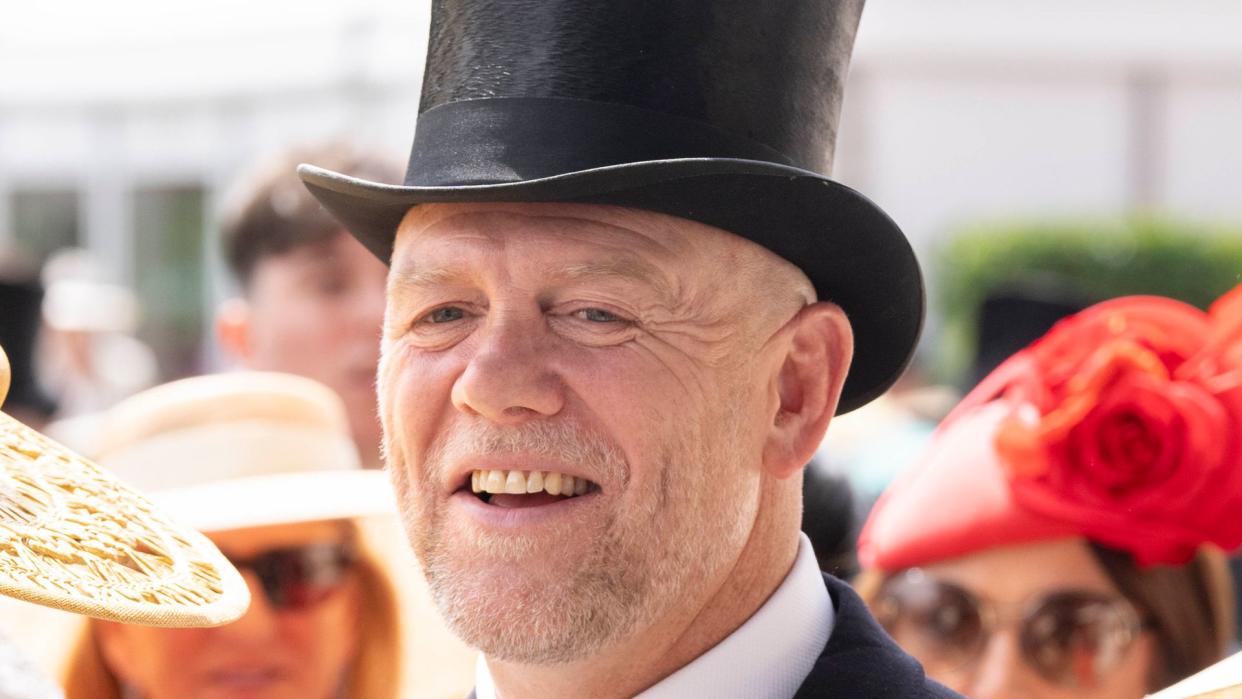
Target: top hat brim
852, 252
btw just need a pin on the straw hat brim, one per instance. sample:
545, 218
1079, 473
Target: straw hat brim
286, 498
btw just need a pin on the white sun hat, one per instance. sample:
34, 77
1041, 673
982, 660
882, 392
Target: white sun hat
75, 538
245, 449
90, 306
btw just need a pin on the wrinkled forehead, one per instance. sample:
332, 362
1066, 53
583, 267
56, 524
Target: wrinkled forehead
645, 242
565, 225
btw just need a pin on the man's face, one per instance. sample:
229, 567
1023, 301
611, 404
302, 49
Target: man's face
316, 311
619, 347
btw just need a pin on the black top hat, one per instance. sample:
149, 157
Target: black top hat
719, 111
1017, 314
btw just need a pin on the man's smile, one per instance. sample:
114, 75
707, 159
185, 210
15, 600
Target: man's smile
519, 511
519, 497
554, 484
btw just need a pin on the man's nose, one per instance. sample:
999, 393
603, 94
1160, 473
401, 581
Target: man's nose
1001, 672
508, 379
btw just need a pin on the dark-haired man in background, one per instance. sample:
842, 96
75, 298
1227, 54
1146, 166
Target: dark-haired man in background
312, 298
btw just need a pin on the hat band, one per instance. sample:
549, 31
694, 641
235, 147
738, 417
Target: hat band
492, 141
225, 451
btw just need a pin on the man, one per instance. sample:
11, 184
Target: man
312, 297
621, 311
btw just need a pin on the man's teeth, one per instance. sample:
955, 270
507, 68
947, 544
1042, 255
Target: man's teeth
534, 482
523, 482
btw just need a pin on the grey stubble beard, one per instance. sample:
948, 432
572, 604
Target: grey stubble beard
640, 563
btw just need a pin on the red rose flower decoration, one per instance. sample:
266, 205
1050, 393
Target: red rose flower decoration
1127, 423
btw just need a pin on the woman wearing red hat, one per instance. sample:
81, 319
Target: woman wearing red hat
1062, 533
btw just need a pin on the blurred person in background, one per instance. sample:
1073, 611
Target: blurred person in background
61, 551
89, 357
263, 464
21, 299
312, 298
92, 359
1014, 316
873, 445
1062, 534
828, 519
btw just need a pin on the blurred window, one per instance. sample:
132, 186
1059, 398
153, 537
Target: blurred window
168, 273
45, 220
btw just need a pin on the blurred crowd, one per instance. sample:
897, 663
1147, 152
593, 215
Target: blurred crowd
1004, 574
289, 438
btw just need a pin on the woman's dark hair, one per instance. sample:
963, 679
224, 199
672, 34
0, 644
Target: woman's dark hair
1187, 608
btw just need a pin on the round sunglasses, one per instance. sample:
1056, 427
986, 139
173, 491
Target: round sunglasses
297, 578
1072, 638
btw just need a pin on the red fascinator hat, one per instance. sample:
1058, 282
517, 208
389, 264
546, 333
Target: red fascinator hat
1122, 425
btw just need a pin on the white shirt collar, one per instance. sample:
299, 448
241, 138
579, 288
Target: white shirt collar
768, 657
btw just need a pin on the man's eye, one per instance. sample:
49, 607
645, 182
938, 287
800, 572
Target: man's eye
596, 315
447, 314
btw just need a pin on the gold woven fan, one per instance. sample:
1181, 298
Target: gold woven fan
74, 537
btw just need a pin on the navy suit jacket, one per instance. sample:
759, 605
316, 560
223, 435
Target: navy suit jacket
860, 660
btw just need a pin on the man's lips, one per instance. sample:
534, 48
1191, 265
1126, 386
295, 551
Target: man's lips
511, 502
518, 512
518, 492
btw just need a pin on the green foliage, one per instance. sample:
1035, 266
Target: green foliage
1094, 260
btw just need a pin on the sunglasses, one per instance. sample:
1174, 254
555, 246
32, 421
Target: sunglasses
297, 578
1071, 638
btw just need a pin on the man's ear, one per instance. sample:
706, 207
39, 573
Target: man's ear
233, 329
818, 347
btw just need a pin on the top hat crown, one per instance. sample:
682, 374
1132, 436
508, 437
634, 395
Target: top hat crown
720, 111
563, 86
